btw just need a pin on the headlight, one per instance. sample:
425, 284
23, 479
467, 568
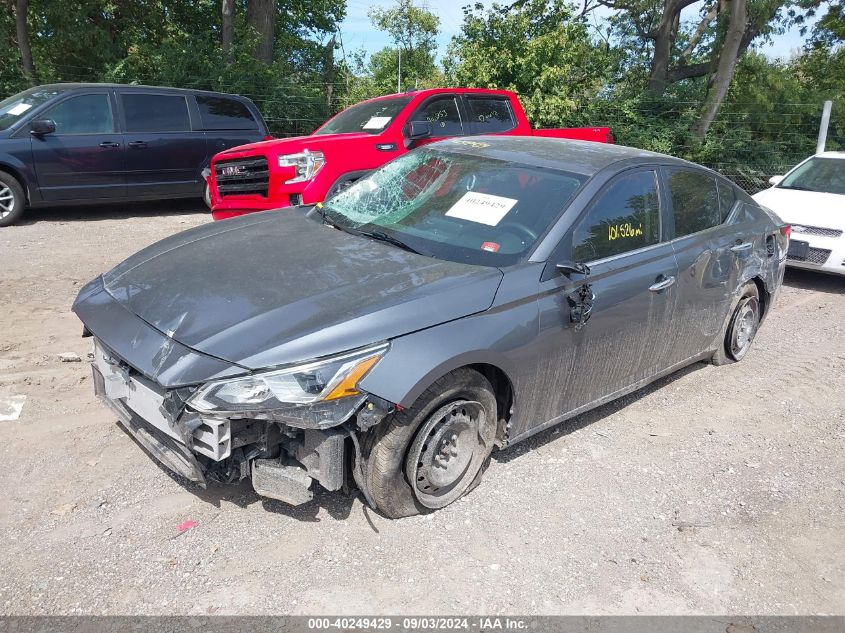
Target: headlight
306, 163
325, 380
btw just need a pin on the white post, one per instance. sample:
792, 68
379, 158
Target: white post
823, 127
399, 78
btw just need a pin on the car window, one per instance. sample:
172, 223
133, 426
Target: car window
826, 175
83, 114
371, 117
220, 113
443, 115
155, 113
624, 217
489, 116
695, 201
727, 199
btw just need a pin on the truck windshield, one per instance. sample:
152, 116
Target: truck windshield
826, 175
15, 107
455, 206
370, 116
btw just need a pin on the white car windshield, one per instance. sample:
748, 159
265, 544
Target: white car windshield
825, 175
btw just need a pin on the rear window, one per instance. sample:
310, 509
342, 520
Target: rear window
155, 113
220, 113
489, 116
695, 201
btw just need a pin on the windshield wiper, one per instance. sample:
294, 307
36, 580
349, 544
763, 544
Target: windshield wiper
384, 237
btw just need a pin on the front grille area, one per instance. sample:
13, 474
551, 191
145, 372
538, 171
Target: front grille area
814, 256
815, 230
242, 176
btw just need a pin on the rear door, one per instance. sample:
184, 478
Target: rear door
711, 254
227, 122
165, 153
83, 158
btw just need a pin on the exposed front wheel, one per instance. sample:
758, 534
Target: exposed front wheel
12, 199
742, 327
429, 455
206, 195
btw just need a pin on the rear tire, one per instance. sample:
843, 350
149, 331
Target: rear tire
742, 327
12, 199
425, 457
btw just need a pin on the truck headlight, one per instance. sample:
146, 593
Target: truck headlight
326, 380
306, 163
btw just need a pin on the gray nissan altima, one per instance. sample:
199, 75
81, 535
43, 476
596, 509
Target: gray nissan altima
459, 299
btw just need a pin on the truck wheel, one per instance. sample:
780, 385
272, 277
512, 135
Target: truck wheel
742, 327
12, 199
206, 195
427, 456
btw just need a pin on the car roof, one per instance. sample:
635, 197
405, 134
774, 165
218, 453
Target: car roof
78, 86
427, 92
580, 157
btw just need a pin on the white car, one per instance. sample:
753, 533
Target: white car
811, 197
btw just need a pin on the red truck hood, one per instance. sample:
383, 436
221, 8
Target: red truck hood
293, 144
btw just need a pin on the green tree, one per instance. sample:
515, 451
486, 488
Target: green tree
414, 31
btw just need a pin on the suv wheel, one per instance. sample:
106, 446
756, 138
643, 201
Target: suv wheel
12, 199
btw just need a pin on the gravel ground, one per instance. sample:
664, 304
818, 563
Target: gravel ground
716, 490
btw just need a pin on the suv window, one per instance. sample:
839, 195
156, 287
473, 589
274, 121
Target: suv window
220, 113
695, 201
443, 115
624, 217
155, 113
490, 115
83, 114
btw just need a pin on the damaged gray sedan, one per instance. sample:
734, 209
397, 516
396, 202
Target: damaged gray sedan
461, 298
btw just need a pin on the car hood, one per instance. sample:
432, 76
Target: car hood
826, 210
279, 147
274, 288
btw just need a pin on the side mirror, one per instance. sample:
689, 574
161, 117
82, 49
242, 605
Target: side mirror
418, 130
42, 127
775, 180
567, 268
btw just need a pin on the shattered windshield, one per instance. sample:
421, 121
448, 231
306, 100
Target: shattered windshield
370, 116
16, 106
455, 206
825, 175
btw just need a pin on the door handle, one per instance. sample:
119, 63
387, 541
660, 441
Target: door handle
662, 284
109, 144
137, 144
741, 247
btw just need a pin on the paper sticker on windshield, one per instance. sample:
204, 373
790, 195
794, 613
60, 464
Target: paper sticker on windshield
376, 122
19, 109
482, 208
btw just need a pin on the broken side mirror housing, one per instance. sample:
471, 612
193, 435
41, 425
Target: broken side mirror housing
569, 267
775, 180
42, 127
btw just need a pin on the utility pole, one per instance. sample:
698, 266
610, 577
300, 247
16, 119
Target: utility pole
399, 78
823, 127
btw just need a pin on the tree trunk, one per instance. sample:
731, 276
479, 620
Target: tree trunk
329, 74
227, 33
725, 69
261, 15
22, 28
664, 40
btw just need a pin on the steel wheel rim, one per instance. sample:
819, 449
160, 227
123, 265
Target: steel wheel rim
744, 327
446, 453
7, 201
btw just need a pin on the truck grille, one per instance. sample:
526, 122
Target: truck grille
814, 256
815, 230
242, 176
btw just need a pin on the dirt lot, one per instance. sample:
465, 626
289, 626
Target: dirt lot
718, 490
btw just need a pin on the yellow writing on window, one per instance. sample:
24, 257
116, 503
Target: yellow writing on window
621, 231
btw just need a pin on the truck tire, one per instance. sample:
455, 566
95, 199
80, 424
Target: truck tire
741, 328
12, 199
425, 457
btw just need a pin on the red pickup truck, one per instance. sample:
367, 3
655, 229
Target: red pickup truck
309, 169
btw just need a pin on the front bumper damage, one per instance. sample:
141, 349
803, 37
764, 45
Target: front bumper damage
281, 456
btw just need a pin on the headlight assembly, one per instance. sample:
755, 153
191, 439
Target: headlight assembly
321, 381
306, 163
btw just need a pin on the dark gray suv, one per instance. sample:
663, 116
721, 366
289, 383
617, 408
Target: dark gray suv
73, 143
463, 297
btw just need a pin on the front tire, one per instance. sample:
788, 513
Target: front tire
12, 199
427, 456
742, 327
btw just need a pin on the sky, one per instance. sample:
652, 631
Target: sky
357, 32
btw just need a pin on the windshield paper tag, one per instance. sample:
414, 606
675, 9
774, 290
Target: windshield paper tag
482, 208
376, 123
19, 109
